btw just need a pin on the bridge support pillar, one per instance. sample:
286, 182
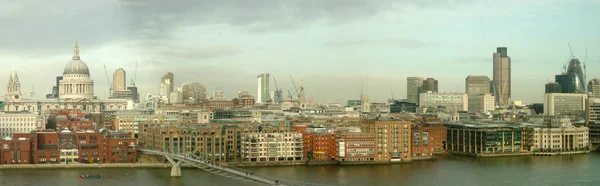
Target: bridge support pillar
175, 167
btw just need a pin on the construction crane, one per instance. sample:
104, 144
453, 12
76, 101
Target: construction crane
572, 55
291, 96
110, 86
134, 74
275, 81
295, 88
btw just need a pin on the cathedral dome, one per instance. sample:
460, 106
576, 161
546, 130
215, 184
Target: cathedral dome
76, 66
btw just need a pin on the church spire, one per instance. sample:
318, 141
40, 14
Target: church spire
76, 51
16, 80
10, 83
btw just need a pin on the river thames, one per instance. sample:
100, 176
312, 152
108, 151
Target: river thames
450, 170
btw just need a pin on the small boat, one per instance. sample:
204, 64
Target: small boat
96, 176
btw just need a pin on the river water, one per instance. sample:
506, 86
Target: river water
450, 170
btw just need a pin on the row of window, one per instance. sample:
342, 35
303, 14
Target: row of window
2, 119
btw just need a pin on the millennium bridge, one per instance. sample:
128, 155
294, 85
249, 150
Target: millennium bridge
231, 172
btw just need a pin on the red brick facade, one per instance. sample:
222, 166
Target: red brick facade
49, 146
319, 146
16, 151
437, 134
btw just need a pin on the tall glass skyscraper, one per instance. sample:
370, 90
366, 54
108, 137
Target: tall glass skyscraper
502, 79
262, 95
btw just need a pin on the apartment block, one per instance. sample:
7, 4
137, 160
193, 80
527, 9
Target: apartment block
392, 136
437, 136
355, 146
271, 147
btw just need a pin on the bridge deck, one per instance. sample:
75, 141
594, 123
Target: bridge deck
231, 172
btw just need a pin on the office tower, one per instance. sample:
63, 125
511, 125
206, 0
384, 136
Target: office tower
166, 85
481, 102
594, 87
502, 79
429, 85
262, 95
119, 80
553, 87
193, 92
566, 104
448, 100
572, 79
476, 85
218, 95
413, 86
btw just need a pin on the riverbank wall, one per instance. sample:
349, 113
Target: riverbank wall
86, 166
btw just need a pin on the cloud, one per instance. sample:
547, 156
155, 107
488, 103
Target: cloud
257, 16
406, 43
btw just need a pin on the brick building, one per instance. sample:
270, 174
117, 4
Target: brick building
392, 138
421, 147
355, 146
49, 146
437, 136
15, 150
319, 144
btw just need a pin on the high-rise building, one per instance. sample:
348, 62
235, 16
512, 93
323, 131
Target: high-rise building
594, 87
565, 104
119, 80
575, 70
429, 85
167, 85
262, 95
218, 94
481, 102
502, 79
194, 93
413, 86
476, 85
276, 96
553, 87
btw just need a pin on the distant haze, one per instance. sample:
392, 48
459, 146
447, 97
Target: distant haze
334, 46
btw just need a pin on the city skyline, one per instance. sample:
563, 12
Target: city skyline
378, 46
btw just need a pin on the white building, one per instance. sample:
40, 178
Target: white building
262, 95
481, 102
20, 123
76, 92
176, 96
380, 108
565, 104
218, 94
560, 136
451, 101
271, 147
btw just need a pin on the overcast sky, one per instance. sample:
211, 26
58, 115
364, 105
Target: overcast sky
334, 46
